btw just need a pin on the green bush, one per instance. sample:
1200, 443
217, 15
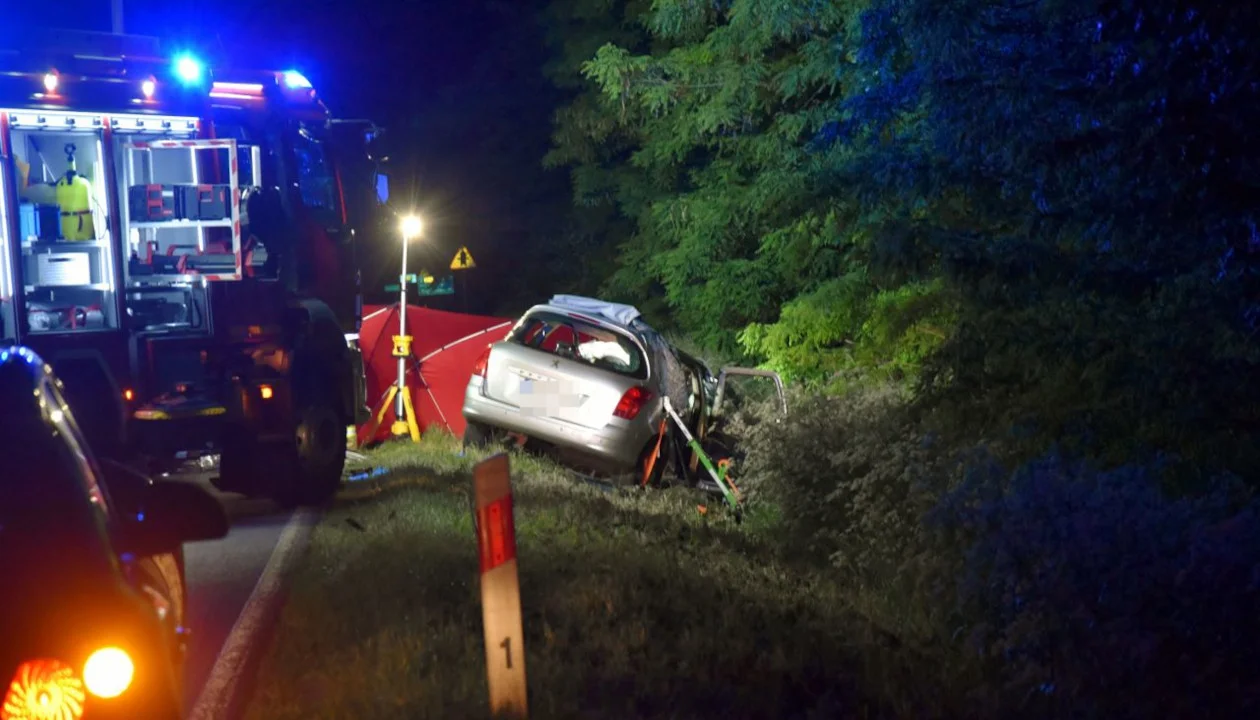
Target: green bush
1093, 595
1033, 589
852, 476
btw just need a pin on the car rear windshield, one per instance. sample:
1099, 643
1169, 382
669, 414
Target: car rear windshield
582, 341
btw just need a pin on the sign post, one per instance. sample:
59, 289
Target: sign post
500, 588
463, 260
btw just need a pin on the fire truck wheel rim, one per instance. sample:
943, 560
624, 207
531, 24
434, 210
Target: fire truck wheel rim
318, 437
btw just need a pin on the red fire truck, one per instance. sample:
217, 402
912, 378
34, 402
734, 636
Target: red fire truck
179, 243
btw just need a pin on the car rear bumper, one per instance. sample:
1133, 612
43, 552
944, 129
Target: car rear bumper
614, 447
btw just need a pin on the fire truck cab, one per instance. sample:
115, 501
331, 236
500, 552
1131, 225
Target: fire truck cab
180, 246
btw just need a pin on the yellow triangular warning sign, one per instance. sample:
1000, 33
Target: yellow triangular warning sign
463, 260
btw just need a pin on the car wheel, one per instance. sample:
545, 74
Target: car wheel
479, 435
658, 468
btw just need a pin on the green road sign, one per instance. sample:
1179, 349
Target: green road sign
427, 285
443, 286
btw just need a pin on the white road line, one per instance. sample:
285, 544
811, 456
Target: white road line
220, 688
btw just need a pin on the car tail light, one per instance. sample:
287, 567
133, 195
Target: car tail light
44, 690
108, 672
632, 402
479, 368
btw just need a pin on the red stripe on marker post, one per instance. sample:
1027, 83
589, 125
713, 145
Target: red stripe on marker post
497, 533
500, 587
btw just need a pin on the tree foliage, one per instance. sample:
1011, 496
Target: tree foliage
702, 135
1045, 210
1107, 275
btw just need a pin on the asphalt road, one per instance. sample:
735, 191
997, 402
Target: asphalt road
221, 574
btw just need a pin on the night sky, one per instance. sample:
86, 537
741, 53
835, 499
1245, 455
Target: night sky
457, 82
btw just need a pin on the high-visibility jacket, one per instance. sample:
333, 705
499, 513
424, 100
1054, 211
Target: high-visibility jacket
74, 195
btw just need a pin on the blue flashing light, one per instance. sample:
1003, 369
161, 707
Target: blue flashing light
188, 69
295, 80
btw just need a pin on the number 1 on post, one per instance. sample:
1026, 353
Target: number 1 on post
500, 587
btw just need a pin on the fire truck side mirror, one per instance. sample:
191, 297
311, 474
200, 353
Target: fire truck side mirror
377, 147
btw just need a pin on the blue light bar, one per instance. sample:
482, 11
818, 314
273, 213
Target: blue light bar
188, 69
295, 80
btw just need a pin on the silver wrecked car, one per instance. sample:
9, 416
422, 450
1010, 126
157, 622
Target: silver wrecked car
586, 378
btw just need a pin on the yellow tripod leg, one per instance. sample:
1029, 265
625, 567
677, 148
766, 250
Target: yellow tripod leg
411, 418
399, 427
380, 411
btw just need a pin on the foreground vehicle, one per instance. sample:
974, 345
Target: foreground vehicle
588, 378
92, 557
180, 245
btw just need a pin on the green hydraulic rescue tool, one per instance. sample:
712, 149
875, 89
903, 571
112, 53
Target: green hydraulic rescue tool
719, 475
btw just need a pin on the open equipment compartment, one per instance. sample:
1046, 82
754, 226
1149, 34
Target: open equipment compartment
182, 227
159, 205
66, 266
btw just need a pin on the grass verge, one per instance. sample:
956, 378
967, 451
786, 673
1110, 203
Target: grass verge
635, 605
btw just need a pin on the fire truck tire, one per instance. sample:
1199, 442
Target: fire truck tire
321, 454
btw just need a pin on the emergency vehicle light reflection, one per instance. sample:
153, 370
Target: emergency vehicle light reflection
43, 689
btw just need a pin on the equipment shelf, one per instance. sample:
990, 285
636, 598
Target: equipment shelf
149, 229
89, 286
180, 224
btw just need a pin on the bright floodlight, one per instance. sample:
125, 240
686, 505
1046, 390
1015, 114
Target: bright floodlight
188, 69
411, 226
148, 87
50, 81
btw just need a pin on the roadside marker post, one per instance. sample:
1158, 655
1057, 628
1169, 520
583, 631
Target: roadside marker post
500, 587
